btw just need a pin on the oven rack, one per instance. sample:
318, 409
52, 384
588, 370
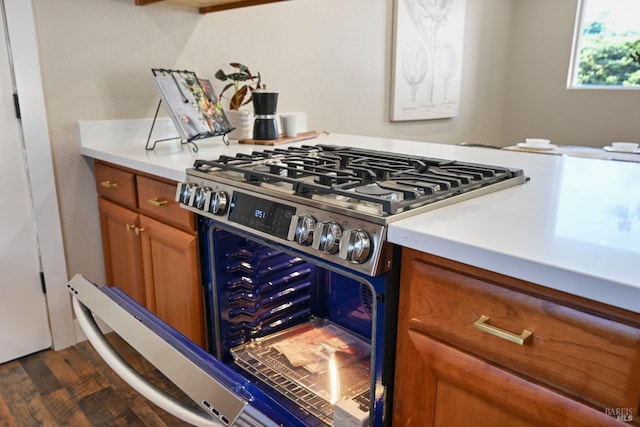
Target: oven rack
306, 400
307, 389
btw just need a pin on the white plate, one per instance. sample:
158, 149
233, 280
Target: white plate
613, 150
536, 147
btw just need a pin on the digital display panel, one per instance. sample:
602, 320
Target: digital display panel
261, 214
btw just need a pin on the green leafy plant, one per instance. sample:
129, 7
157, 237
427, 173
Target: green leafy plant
243, 83
608, 62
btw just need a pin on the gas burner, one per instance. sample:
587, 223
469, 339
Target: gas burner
396, 183
375, 190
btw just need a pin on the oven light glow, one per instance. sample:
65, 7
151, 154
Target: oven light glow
334, 378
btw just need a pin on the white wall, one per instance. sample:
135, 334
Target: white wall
537, 101
330, 58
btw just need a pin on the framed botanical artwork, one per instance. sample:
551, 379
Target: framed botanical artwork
427, 59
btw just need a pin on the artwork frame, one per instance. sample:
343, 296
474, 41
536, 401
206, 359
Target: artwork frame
427, 59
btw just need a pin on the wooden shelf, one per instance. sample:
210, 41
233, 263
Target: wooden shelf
208, 6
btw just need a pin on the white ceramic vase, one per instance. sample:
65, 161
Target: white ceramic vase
242, 121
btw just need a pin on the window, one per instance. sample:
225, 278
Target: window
606, 47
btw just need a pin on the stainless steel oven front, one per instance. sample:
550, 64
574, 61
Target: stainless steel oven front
298, 334
315, 334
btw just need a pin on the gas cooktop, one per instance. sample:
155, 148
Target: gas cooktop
332, 202
365, 182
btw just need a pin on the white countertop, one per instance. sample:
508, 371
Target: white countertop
574, 227
581, 151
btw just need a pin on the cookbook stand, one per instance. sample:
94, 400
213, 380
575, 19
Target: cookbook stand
192, 105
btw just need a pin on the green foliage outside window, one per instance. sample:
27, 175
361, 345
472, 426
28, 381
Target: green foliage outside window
609, 59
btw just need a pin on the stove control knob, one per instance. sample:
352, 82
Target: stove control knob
326, 237
184, 193
305, 227
355, 246
218, 205
202, 198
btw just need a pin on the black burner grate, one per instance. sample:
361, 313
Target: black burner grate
395, 182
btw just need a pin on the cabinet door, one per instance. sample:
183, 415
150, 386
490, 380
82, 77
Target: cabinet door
447, 373
121, 248
438, 385
581, 354
171, 271
156, 199
116, 184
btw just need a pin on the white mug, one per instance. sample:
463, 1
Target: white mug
289, 125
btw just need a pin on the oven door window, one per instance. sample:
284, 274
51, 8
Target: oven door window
295, 326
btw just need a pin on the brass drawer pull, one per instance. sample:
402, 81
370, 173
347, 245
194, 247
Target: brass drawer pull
138, 230
483, 324
157, 202
130, 227
109, 184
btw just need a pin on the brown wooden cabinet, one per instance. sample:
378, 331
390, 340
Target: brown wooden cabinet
172, 277
150, 247
458, 362
122, 249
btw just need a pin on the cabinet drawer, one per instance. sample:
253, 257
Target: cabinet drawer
116, 184
589, 357
157, 199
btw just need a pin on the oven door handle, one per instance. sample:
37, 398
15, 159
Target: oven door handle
131, 376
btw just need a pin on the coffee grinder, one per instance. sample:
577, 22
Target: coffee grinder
265, 126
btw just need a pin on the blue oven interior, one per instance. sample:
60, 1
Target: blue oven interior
254, 289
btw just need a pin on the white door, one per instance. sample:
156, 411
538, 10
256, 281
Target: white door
24, 326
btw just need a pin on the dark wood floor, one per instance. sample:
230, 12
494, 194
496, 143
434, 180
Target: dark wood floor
74, 387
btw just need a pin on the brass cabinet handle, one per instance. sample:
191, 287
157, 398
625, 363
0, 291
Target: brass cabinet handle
157, 202
135, 229
483, 324
109, 184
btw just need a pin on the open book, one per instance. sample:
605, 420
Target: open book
192, 104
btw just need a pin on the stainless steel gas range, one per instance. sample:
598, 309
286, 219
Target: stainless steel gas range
325, 208
333, 202
299, 281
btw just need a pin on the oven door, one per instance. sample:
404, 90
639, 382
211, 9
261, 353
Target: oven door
225, 398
